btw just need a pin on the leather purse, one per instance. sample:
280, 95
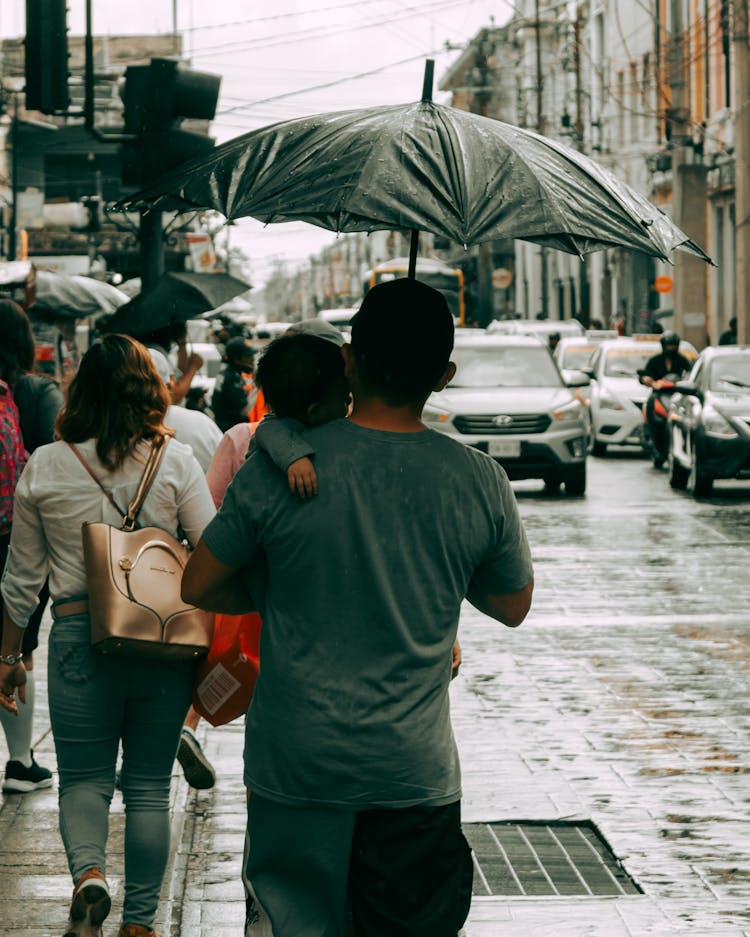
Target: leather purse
134, 577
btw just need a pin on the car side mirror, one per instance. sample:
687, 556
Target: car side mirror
575, 378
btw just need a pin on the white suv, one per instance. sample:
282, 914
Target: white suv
509, 400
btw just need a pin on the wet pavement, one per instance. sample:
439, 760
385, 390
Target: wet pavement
623, 700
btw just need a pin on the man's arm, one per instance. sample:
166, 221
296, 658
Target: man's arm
212, 585
509, 608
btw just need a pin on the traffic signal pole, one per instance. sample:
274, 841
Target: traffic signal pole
151, 248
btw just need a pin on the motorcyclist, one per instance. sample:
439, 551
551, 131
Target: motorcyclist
668, 361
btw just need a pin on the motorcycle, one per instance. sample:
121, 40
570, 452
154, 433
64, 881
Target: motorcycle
655, 419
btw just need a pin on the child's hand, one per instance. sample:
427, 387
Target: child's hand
455, 659
302, 478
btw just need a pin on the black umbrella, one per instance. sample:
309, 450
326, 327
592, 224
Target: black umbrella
176, 297
420, 167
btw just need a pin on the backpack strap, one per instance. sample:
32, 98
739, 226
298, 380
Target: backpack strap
158, 448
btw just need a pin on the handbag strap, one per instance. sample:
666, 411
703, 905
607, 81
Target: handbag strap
155, 456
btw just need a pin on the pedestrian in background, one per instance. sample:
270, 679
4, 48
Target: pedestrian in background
38, 400
193, 428
729, 337
236, 397
115, 406
188, 363
349, 751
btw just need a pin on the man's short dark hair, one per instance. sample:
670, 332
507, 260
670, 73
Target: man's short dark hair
402, 339
297, 371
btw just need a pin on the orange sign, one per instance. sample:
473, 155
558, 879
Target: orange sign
663, 284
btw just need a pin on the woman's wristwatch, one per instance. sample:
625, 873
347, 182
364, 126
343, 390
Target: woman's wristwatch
11, 660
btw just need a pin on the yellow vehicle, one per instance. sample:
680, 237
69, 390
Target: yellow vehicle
448, 280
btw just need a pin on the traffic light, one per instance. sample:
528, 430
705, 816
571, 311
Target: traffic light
157, 98
46, 56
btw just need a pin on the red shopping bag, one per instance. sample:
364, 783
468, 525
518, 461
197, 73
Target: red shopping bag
225, 680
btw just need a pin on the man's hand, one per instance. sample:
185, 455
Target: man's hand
455, 659
302, 478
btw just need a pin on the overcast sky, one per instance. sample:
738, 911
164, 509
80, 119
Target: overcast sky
270, 52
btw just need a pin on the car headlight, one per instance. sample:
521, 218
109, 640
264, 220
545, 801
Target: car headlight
608, 402
570, 413
717, 425
435, 415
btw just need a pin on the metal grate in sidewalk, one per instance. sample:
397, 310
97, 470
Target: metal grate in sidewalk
537, 859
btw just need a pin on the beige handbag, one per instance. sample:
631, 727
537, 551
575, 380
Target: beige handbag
134, 578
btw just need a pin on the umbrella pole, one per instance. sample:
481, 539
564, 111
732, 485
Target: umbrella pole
429, 71
413, 247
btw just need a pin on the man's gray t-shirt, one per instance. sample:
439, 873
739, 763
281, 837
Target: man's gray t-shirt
365, 582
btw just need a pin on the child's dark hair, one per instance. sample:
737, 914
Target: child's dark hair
298, 371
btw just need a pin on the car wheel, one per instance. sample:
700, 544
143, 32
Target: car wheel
678, 474
599, 448
552, 484
576, 484
701, 484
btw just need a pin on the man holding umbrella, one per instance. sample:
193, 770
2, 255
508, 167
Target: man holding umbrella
349, 755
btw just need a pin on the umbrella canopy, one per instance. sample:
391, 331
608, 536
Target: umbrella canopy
75, 297
176, 297
420, 166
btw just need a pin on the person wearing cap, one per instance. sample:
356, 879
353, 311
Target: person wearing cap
236, 398
349, 750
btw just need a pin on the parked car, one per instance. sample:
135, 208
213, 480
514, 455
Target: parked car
264, 332
508, 399
539, 328
574, 353
709, 419
617, 395
341, 318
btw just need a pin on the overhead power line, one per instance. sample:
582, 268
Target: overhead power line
321, 32
329, 84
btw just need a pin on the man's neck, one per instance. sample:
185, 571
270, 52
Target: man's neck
376, 414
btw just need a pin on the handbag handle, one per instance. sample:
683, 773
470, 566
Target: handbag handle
156, 454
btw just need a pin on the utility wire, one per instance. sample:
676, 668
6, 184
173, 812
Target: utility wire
314, 32
274, 16
328, 84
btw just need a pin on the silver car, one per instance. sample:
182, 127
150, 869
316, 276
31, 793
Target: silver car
508, 399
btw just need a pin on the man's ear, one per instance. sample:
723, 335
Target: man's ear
447, 377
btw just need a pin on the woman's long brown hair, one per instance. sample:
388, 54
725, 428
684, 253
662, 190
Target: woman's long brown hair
117, 398
16, 342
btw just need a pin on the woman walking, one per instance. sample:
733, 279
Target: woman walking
38, 401
115, 407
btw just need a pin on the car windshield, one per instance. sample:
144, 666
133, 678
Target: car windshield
513, 366
627, 362
577, 356
730, 373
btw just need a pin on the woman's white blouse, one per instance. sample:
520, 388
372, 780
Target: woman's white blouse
55, 496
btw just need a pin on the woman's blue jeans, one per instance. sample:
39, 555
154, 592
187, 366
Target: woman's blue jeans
95, 701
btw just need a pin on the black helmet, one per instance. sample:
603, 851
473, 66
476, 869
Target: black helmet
669, 340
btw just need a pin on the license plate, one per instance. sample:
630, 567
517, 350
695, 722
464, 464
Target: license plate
504, 448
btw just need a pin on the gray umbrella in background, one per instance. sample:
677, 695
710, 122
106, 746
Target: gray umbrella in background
420, 167
75, 297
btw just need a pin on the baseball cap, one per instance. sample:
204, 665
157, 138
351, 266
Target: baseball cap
319, 328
